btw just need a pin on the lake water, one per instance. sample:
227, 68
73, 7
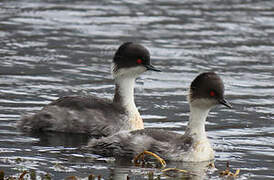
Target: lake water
55, 48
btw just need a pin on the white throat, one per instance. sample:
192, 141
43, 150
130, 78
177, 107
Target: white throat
125, 89
201, 147
124, 94
196, 124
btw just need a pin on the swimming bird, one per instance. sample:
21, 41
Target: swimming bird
206, 91
96, 116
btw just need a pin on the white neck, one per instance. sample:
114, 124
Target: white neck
196, 124
125, 92
124, 95
201, 147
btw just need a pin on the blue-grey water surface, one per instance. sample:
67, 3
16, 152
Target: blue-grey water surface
55, 48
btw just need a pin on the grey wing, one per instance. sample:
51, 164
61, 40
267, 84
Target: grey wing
166, 142
129, 144
122, 144
89, 115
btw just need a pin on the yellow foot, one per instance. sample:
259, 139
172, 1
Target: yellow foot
227, 172
141, 155
174, 169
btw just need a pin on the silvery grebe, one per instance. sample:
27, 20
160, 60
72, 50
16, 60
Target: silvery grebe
206, 91
96, 116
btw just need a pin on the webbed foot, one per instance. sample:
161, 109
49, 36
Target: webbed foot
141, 155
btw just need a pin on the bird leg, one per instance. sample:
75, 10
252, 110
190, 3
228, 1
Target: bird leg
141, 155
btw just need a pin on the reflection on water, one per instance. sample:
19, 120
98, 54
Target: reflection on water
51, 49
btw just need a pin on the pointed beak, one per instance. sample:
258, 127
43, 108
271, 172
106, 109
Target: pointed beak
152, 68
225, 103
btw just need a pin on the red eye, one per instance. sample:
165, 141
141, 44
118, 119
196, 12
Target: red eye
139, 61
212, 93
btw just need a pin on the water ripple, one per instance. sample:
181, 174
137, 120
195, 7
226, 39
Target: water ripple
52, 49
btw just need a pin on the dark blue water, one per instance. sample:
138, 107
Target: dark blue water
53, 48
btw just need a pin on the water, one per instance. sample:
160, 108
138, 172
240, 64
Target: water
53, 48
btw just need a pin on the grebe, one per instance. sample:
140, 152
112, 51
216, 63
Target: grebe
96, 116
206, 91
